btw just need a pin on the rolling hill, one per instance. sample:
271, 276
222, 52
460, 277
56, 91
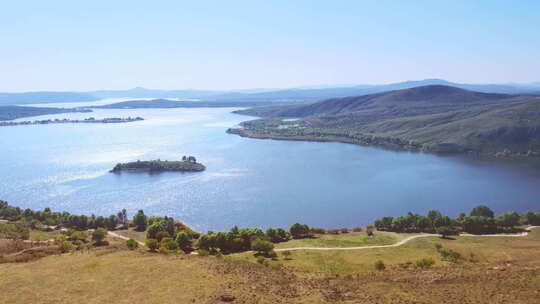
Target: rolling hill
430, 118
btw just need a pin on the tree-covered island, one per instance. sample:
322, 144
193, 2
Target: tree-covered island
187, 164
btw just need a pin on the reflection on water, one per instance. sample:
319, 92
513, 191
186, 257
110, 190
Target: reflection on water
248, 182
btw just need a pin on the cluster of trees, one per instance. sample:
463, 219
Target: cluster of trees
481, 220
36, 219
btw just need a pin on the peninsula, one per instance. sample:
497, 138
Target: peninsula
66, 120
187, 164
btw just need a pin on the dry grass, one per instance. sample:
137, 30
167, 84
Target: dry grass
508, 271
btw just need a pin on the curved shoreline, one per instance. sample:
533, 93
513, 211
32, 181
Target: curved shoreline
405, 240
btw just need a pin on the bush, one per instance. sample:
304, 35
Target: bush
357, 229
344, 230
332, 231
318, 230
262, 247
424, 263
379, 265
183, 240
22, 258
167, 245
261, 260
370, 229
202, 252
65, 246
450, 255
132, 244
152, 244
161, 235
99, 235
287, 254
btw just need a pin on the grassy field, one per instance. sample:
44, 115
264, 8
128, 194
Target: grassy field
345, 262
507, 271
352, 239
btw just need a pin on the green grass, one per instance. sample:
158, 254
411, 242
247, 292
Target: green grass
353, 239
38, 235
344, 262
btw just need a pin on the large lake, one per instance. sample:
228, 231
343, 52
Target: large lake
248, 182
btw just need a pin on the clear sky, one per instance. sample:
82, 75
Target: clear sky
87, 45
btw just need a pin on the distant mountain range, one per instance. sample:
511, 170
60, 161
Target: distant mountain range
313, 93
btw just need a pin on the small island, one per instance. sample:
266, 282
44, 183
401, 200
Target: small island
187, 164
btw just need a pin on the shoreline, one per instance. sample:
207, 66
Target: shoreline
250, 133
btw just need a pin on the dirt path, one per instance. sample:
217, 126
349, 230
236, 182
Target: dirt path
116, 235
405, 240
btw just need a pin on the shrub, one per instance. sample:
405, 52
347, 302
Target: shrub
22, 258
132, 244
180, 252
261, 260
167, 245
65, 246
344, 230
99, 234
424, 263
379, 265
203, 252
357, 229
161, 235
262, 247
450, 255
370, 229
152, 244
332, 231
3, 259
287, 254
183, 240
318, 230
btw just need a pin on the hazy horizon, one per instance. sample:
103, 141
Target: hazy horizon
68, 46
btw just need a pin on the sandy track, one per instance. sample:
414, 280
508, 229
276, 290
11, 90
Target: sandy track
405, 240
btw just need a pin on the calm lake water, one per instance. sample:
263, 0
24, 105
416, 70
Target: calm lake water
248, 182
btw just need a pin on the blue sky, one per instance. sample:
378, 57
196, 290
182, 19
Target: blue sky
87, 45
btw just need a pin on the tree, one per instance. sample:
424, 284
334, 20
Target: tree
508, 219
140, 221
482, 211
183, 240
433, 214
262, 247
277, 235
152, 244
446, 231
99, 234
132, 244
299, 231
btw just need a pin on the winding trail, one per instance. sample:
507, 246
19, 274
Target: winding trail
116, 235
405, 240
